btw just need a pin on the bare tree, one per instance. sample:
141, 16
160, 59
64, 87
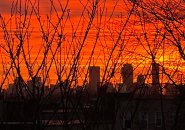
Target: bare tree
162, 24
63, 50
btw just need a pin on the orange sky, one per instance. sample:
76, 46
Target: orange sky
113, 18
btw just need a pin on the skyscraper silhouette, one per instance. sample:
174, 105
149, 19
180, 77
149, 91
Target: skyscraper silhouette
155, 78
94, 79
127, 76
155, 73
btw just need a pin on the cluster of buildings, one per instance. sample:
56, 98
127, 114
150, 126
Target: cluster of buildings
132, 106
127, 85
20, 88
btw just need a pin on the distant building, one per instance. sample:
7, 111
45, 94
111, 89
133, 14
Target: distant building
155, 73
140, 80
14, 89
127, 76
94, 79
155, 78
35, 85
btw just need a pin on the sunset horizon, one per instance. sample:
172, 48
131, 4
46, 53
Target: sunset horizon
64, 61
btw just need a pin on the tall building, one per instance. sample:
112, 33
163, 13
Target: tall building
155, 74
94, 79
155, 78
127, 76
